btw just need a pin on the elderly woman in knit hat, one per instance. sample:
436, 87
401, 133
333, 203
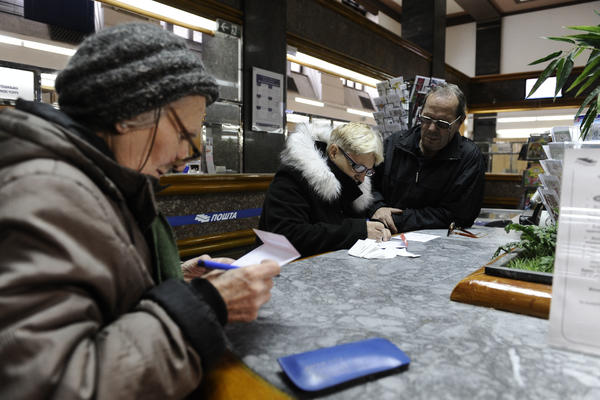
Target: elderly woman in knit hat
91, 290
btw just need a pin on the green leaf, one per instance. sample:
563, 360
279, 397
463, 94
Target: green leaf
544, 75
584, 37
547, 58
591, 65
587, 100
563, 74
559, 73
592, 41
577, 51
593, 54
585, 28
560, 39
587, 83
589, 119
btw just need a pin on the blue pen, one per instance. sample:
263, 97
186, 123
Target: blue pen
215, 265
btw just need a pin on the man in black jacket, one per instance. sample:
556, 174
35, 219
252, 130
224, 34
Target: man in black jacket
431, 175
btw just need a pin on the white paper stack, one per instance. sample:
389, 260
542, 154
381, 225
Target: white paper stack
369, 248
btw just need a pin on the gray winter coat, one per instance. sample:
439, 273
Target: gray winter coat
80, 313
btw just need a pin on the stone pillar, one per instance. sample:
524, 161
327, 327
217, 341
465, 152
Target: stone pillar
264, 46
487, 47
487, 62
424, 24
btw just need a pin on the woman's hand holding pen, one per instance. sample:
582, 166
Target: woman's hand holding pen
384, 214
244, 290
377, 230
191, 269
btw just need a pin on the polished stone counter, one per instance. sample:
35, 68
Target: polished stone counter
457, 351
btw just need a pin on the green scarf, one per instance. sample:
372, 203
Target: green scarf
166, 255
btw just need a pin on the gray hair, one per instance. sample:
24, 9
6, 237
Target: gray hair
357, 138
447, 90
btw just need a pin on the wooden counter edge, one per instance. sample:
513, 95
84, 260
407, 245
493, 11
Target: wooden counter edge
230, 378
503, 293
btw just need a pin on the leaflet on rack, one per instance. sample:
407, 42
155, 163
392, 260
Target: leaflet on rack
575, 307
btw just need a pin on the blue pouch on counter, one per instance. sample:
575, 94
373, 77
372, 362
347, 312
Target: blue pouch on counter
330, 366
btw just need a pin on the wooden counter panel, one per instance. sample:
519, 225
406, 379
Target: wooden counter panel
208, 244
231, 379
504, 294
200, 183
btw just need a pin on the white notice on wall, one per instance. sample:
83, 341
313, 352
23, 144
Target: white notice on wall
575, 309
267, 101
15, 83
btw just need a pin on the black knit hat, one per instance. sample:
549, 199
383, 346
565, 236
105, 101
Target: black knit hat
126, 70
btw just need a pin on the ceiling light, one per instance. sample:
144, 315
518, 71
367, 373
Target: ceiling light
48, 80
297, 118
10, 40
36, 45
358, 112
324, 66
48, 47
557, 118
309, 102
516, 119
537, 119
163, 12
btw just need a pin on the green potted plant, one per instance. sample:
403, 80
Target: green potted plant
532, 256
561, 64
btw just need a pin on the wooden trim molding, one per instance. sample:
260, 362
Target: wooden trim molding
524, 105
178, 184
212, 243
208, 8
503, 177
515, 76
372, 26
505, 201
335, 57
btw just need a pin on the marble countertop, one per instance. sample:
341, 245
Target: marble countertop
457, 351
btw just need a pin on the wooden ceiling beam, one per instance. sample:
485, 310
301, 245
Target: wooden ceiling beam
480, 10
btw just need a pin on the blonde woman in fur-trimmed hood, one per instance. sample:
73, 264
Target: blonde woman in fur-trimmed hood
321, 193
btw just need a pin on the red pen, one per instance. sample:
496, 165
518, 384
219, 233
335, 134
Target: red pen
404, 240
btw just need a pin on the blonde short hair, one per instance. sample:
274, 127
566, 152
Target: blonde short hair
357, 138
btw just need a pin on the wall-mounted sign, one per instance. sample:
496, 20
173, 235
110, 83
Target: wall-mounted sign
267, 101
217, 216
15, 83
229, 28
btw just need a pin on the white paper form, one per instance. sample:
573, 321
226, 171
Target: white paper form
275, 247
370, 248
575, 307
417, 237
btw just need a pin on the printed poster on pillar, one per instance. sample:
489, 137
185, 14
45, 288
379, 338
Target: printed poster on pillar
267, 101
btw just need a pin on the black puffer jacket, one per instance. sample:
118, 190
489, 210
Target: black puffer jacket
311, 201
433, 192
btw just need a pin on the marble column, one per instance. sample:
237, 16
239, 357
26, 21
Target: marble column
264, 46
424, 24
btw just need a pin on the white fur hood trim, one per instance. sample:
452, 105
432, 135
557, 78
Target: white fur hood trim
301, 153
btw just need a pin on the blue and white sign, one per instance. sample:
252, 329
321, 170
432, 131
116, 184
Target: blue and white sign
213, 217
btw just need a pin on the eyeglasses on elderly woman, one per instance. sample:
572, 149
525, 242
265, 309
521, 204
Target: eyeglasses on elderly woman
359, 168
